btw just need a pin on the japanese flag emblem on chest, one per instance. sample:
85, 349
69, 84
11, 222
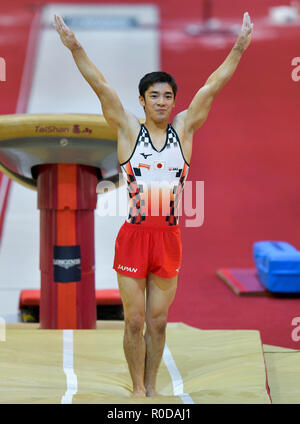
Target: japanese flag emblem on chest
159, 165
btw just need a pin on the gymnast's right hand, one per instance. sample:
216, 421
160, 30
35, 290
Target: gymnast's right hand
66, 35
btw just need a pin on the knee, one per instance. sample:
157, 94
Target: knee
157, 324
134, 323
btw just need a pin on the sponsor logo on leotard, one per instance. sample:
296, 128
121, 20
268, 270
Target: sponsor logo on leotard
127, 268
146, 155
144, 165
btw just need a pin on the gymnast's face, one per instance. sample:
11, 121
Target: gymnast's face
158, 102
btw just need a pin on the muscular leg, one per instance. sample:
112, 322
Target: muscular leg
132, 291
160, 295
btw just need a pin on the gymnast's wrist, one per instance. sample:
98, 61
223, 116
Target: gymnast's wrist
76, 47
239, 47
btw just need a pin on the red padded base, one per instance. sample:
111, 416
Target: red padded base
103, 297
243, 282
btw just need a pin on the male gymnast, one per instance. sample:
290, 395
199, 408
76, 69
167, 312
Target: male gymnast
154, 157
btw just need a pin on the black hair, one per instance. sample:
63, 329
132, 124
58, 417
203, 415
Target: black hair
155, 77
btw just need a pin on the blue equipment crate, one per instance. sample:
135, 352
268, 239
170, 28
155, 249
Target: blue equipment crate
278, 266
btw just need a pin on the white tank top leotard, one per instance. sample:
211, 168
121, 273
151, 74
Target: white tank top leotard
155, 180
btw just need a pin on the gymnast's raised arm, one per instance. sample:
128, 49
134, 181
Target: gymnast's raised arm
198, 110
112, 108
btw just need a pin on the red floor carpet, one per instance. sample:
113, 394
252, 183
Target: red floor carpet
247, 154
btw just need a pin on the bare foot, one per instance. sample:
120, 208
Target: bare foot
151, 393
138, 393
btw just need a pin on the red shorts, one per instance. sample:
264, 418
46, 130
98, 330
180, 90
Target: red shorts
141, 249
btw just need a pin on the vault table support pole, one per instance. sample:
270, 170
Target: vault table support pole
67, 199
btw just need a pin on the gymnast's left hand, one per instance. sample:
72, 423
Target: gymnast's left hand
66, 34
245, 34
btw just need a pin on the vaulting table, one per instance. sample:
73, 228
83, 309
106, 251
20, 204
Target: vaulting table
63, 157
